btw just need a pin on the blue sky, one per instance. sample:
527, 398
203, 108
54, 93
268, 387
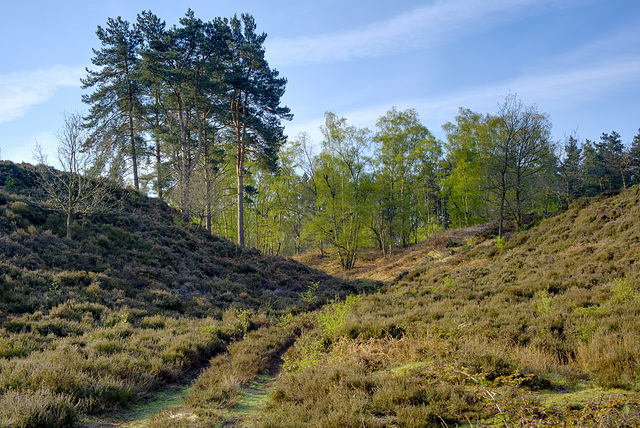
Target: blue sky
577, 60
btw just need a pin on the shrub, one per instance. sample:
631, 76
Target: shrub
332, 318
614, 361
19, 345
41, 408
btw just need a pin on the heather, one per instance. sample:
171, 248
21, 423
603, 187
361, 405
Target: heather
133, 302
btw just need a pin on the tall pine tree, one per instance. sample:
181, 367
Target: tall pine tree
254, 104
115, 102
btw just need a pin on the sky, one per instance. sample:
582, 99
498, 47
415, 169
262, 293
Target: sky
576, 60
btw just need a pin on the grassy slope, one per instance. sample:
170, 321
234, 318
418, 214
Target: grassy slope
542, 330
548, 324
128, 305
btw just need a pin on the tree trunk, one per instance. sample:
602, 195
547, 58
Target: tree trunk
466, 209
240, 203
402, 215
207, 180
186, 212
132, 139
159, 170
518, 209
69, 221
226, 224
184, 199
503, 192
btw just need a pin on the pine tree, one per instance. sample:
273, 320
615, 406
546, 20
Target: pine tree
569, 168
634, 159
115, 103
614, 160
254, 105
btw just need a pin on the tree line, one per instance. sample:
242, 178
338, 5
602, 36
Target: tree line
192, 113
171, 105
398, 184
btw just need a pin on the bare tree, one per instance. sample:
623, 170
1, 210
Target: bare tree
77, 188
523, 144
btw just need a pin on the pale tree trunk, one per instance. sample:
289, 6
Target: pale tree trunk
159, 170
186, 212
69, 221
207, 179
502, 201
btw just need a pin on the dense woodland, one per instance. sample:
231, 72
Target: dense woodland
192, 114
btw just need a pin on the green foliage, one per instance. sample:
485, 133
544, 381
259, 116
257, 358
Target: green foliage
116, 125
243, 317
448, 283
465, 336
129, 305
623, 292
543, 305
309, 296
466, 144
342, 188
305, 354
10, 182
331, 320
407, 154
492, 336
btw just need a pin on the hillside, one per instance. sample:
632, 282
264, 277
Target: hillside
373, 265
132, 302
540, 331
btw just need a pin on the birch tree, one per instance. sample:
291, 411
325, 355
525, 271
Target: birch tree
77, 188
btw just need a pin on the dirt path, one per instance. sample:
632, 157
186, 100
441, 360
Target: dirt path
251, 400
137, 416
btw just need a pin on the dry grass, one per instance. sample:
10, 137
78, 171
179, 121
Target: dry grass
464, 332
133, 302
554, 309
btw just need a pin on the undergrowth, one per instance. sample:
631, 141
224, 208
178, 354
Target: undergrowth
130, 304
480, 337
538, 329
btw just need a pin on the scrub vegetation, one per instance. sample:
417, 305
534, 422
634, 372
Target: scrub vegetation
133, 302
540, 331
539, 328
527, 315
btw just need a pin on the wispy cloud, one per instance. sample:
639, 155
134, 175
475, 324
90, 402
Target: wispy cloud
21, 91
562, 90
430, 25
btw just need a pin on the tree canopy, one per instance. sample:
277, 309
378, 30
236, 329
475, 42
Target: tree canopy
193, 114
